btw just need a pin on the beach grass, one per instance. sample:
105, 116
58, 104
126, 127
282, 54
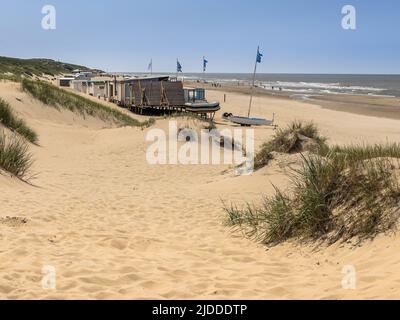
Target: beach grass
208, 124
346, 193
9, 77
14, 156
297, 137
15, 124
363, 152
61, 99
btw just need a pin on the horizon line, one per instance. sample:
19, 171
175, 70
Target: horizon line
197, 72
261, 73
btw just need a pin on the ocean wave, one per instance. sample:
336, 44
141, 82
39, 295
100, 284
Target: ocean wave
322, 86
347, 86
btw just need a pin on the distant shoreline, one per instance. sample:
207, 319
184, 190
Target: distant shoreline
374, 106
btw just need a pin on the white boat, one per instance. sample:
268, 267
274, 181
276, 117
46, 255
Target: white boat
247, 121
244, 121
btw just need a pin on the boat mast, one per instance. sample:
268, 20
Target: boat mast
253, 83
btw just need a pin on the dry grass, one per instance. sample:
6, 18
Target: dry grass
14, 156
15, 124
297, 137
61, 99
340, 194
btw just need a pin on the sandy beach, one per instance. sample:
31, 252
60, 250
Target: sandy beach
115, 227
369, 105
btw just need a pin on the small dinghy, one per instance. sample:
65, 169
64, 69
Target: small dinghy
202, 107
244, 121
247, 121
195, 102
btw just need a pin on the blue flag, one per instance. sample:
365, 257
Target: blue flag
204, 64
259, 55
150, 65
178, 66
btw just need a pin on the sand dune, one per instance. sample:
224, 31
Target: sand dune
114, 226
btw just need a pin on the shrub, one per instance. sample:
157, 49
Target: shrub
9, 120
14, 156
297, 137
350, 192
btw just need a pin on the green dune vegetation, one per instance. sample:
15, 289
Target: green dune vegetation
15, 124
14, 151
295, 138
339, 194
14, 69
14, 156
61, 99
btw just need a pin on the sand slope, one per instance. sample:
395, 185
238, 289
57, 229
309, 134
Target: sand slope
115, 227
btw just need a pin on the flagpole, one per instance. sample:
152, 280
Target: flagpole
179, 69
252, 85
151, 69
204, 69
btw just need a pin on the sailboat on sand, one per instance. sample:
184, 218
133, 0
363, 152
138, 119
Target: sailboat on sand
248, 121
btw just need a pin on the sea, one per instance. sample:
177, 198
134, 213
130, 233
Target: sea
312, 84
303, 85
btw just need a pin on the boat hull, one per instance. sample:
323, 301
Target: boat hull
244, 121
203, 107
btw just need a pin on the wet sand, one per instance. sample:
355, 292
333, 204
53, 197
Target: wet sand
376, 106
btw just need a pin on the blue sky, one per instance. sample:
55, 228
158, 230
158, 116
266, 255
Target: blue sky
122, 35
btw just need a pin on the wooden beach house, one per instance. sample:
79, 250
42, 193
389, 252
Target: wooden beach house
80, 85
149, 94
65, 81
141, 93
96, 88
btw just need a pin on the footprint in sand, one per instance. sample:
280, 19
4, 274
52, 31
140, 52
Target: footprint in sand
119, 244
